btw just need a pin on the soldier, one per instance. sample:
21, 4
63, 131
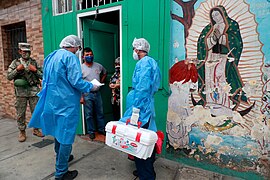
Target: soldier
26, 74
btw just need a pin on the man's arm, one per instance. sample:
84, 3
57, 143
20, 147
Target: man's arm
39, 72
103, 75
103, 78
12, 71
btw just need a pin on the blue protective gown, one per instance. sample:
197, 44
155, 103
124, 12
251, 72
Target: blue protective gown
145, 82
57, 112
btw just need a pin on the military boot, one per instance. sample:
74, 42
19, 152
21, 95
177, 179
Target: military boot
22, 136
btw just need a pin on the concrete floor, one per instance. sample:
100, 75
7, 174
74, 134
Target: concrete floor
93, 160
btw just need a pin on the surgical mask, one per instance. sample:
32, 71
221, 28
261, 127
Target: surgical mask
26, 55
135, 56
77, 53
89, 59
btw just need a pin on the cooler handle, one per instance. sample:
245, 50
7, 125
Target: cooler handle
139, 123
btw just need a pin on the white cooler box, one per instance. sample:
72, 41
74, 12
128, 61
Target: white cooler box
129, 139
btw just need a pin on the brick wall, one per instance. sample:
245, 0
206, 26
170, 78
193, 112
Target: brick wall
30, 12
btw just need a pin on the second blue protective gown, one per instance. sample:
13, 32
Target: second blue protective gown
145, 82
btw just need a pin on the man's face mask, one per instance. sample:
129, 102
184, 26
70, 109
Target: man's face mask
89, 59
26, 55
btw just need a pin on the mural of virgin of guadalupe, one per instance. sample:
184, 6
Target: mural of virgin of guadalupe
220, 47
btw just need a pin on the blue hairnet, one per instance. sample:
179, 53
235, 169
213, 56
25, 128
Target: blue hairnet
71, 41
141, 44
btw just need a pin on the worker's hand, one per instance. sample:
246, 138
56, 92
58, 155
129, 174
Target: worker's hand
20, 67
95, 87
32, 68
82, 100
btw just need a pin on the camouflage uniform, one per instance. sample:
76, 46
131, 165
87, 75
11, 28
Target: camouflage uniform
27, 92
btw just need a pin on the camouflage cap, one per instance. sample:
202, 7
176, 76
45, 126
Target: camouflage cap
24, 46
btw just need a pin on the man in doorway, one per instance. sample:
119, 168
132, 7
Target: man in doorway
92, 101
26, 74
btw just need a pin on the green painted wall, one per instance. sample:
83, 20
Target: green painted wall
149, 19
55, 28
140, 18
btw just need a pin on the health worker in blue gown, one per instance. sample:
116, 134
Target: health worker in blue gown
145, 82
58, 110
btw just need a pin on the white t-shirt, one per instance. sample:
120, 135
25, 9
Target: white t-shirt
93, 72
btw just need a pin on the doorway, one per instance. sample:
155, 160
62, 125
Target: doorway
101, 31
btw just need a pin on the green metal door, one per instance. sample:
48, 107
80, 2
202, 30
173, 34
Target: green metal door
103, 39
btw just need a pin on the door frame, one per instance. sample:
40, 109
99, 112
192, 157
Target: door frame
80, 17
